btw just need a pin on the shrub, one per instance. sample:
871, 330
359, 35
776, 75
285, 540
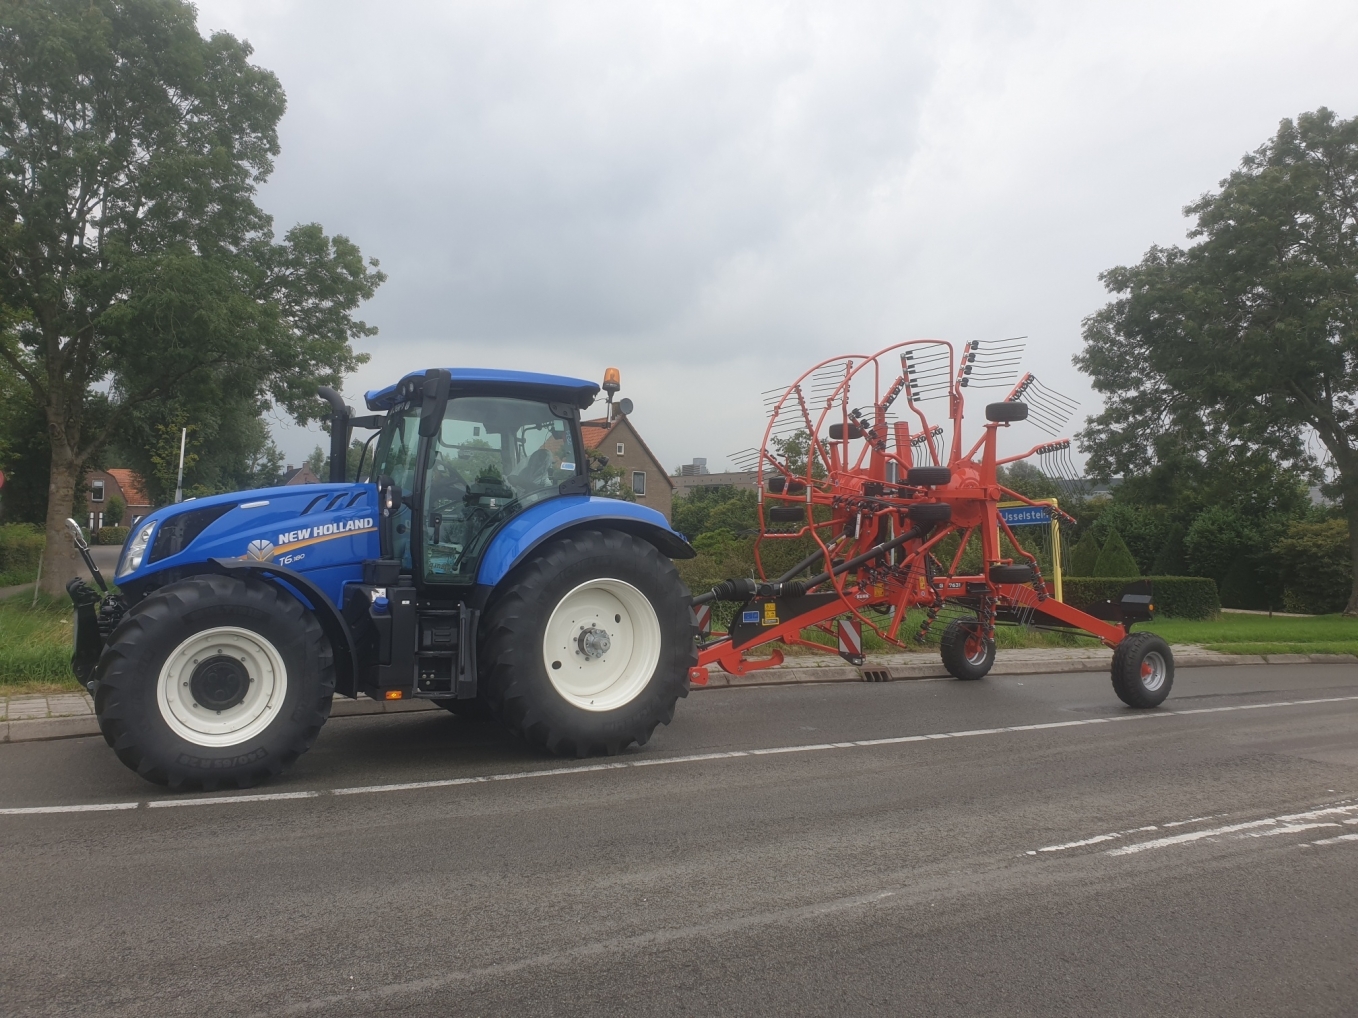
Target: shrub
115, 511
1218, 537
1115, 559
111, 535
1085, 555
1176, 597
1316, 567
1246, 585
21, 547
1169, 560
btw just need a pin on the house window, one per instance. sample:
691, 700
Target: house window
96, 491
619, 448
639, 481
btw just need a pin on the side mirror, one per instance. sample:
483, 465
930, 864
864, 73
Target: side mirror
435, 401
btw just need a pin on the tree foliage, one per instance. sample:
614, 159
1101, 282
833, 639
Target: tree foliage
137, 265
1248, 339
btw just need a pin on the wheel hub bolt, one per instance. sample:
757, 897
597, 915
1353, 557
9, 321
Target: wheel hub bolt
594, 643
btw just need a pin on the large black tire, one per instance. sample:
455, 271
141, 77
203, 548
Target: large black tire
966, 653
929, 512
1011, 574
927, 477
1143, 670
1004, 413
514, 651
156, 703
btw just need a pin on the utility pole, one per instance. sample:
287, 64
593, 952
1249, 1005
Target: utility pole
179, 484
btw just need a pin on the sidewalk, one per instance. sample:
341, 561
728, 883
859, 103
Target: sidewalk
68, 715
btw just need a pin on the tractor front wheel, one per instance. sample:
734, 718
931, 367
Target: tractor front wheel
966, 653
214, 682
588, 645
1143, 670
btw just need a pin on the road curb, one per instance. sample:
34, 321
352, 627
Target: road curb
83, 726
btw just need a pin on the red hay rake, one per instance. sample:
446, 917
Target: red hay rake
851, 461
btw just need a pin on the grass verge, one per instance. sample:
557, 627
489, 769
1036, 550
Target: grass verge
35, 646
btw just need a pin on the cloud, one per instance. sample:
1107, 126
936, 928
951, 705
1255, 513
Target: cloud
714, 196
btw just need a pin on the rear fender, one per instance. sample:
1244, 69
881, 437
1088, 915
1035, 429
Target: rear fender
556, 516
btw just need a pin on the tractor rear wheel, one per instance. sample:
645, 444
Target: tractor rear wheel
1143, 670
588, 645
966, 653
214, 682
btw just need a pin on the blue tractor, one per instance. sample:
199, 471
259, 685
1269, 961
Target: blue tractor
468, 563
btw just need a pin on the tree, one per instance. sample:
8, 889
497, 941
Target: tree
1248, 338
1169, 560
1115, 559
316, 462
113, 515
136, 263
1085, 555
606, 480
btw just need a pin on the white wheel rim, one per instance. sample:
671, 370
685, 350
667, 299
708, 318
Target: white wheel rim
247, 654
1153, 671
584, 677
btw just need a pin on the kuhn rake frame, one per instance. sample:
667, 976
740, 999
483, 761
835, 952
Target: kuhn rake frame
851, 461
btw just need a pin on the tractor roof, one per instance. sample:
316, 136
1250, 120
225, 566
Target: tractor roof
527, 383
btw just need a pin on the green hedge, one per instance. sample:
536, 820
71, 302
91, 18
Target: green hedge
20, 548
1176, 597
111, 535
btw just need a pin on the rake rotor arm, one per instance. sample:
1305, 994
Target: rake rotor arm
1023, 455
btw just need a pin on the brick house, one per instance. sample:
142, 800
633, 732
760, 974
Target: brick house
104, 485
299, 475
619, 442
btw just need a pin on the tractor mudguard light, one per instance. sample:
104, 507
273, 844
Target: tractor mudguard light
888, 500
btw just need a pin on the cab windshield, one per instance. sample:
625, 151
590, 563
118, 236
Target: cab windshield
492, 458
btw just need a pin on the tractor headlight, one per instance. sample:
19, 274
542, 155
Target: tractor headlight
136, 550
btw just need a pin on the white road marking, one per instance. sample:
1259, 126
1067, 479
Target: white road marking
263, 797
95, 807
1098, 838
1336, 840
552, 772
1216, 832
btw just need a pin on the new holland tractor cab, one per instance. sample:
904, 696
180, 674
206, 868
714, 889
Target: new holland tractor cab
468, 564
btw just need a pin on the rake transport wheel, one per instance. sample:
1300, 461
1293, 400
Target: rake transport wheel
966, 653
214, 682
589, 646
1143, 670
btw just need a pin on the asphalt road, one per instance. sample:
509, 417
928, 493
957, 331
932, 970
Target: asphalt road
1200, 861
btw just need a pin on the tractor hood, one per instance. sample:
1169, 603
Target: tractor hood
309, 528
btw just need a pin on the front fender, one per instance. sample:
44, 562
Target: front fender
332, 622
546, 519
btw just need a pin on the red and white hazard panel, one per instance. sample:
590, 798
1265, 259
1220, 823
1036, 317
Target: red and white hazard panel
702, 618
850, 632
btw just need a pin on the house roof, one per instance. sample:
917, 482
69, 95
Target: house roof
131, 485
300, 475
596, 432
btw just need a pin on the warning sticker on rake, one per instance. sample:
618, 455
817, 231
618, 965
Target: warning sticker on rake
770, 614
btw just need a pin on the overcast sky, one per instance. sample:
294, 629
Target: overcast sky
713, 196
